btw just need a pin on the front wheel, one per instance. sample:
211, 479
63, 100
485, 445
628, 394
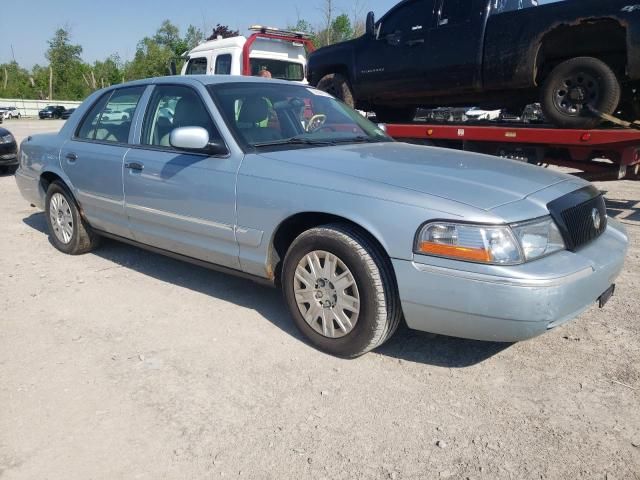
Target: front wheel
68, 231
337, 85
340, 290
574, 86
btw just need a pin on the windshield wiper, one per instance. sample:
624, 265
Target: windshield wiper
361, 139
295, 141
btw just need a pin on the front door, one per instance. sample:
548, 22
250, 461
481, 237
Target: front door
391, 65
455, 47
179, 201
92, 159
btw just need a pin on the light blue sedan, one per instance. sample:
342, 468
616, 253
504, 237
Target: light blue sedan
286, 185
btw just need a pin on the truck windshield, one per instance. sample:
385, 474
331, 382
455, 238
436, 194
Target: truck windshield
501, 6
280, 69
283, 116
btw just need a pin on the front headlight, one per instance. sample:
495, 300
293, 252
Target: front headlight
491, 244
539, 238
7, 139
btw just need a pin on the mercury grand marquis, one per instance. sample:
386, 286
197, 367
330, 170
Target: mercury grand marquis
285, 184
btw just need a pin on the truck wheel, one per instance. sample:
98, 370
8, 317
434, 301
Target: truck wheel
395, 115
338, 86
340, 290
575, 85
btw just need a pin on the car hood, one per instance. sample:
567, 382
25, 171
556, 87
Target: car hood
480, 181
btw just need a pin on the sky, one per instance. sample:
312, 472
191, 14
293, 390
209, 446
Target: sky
116, 26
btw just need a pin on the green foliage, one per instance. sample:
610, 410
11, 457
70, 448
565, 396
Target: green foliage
73, 79
223, 31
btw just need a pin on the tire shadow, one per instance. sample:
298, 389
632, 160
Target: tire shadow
406, 344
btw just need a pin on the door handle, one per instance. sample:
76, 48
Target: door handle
72, 157
413, 43
134, 166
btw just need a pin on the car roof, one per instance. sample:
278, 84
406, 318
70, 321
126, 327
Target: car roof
205, 80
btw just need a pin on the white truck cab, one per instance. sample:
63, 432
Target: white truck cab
280, 52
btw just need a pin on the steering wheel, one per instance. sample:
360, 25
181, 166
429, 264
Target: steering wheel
316, 122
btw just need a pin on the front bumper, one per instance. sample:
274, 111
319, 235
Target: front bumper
508, 304
8, 154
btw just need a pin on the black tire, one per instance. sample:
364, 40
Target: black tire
337, 85
83, 239
574, 85
395, 115
11, 169
380, 311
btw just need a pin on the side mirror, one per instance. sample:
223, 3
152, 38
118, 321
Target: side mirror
371, 24
195, 139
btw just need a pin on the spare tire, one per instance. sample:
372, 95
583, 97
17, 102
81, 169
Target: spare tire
337, 85
575, 85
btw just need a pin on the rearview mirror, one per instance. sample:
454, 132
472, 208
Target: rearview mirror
195, 139
371, 24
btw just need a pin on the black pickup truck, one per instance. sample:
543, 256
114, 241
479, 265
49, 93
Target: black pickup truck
572, 56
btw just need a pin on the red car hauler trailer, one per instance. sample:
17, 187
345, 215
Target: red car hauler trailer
603, 154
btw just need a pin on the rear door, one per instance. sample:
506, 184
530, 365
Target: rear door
179, 201
93, 159
392, 64
455, 46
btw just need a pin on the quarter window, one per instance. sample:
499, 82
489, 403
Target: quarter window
197, 66
223, 64
109, 120
171, 107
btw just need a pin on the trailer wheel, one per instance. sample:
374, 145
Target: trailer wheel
338, 86
574, 86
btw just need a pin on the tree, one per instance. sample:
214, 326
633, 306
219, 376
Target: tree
341, 28
193, 37
66, 64
168, 35
223, 31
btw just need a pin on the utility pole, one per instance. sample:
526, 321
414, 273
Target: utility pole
50, 83
13, 54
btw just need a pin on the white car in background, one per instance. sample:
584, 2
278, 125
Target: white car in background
7, 113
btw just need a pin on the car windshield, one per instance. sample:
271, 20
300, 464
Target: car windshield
50, 109
274, 115
279, 69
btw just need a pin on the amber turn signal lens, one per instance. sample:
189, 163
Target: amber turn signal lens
451, 251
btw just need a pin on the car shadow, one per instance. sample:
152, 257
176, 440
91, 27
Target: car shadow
407, 345
628, 210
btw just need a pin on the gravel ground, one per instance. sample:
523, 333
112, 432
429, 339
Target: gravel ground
126, 364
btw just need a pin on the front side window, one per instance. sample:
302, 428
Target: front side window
223, 64
265, 115
454, 12
171, 107
197, 66
109, 120
403, 19
279, 69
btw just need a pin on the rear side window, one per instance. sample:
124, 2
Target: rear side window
197, 66
223, 64
109, 120
454, 12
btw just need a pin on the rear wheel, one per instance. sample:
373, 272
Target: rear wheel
337, 85
68, 231
340, 290
574, 86
395, 115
